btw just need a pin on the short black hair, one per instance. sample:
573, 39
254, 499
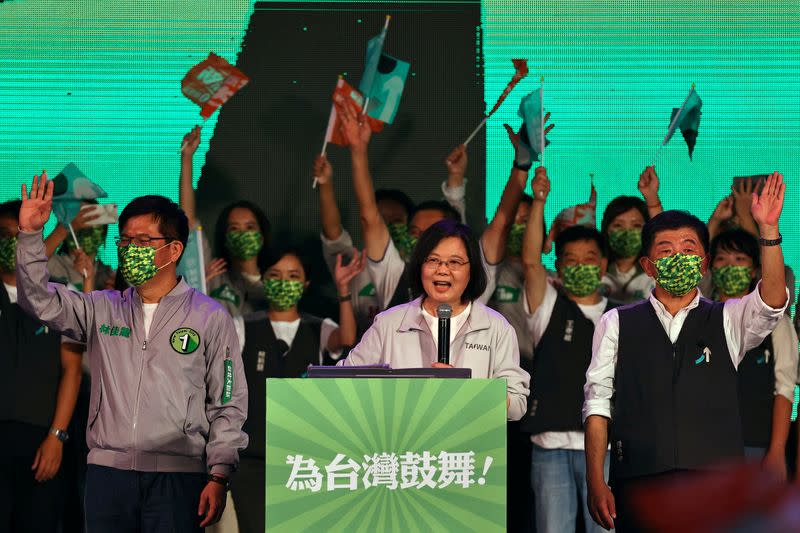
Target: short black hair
397, 196
222, 228
526, 199
429, 239
10, 209
579, 233
669, 220
276, 255
172, 221
447, 210
737, 240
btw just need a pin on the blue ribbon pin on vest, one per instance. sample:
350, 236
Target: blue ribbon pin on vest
706, 355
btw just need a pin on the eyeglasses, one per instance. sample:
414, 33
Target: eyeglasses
453, 265
139, 240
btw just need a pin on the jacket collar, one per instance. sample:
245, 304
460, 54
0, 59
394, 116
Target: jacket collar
177, 290
413, 320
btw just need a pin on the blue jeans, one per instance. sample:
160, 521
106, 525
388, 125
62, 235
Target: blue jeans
557, 478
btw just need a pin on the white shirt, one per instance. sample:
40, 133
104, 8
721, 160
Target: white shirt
287, 331
537, 324
746, 321
784, 347
455, 323
149, 310
12, 292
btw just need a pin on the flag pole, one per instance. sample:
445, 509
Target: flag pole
183, 145
476, 130
328, 131
670, 130
78, 246
541, 106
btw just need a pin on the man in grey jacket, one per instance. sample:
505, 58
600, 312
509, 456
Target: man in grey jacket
169, 396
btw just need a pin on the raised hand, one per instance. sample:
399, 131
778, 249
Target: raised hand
724, 209
190, 142
540, 185
648, 185
36, 208
766, 207
84, 264
457, 161
82, 219
742, 193
344, 274
216, 267
354, 126
323, 170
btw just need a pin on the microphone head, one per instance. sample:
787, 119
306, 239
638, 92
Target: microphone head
444, 311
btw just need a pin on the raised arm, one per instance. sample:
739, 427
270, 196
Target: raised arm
357, 132
453, 188
343, 276
722, 213
535, 274
648, 186
766, 208
54, 304
60, 233
496, 233
328, 210
186, 190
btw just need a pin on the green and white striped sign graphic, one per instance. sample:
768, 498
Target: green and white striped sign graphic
386, 455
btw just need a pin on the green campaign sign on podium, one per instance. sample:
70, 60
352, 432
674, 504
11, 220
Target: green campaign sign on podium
386, 454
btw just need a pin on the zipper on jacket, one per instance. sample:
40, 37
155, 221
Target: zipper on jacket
136, 405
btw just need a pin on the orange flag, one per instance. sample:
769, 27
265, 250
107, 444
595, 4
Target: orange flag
211, 83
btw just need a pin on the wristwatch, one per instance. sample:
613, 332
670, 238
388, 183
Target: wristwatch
222, 480
60, 434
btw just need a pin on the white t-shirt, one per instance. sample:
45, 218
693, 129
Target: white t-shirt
455, 323
286, 331
12, 292
149, 310
537, 323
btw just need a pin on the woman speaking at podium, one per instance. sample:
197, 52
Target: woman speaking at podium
445, 268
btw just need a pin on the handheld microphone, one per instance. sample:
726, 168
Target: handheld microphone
444, 312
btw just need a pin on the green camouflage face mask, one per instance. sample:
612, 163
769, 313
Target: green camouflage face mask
678, 273
581, 280
402, 240
244, 244
731, 280
89, 239
8, 254
514, 243
283, 294
138, 263
625, 242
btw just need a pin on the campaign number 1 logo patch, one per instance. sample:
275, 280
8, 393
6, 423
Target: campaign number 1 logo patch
184, 340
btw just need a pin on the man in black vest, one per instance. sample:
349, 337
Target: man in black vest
663, 372
39, 388
561, 324
768, 372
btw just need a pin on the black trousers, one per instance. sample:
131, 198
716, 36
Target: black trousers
126, 501
248, 495
25, 504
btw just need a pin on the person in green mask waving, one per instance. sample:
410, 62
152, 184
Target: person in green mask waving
662, 387
241, 243
767, 374
561, 323
281, 343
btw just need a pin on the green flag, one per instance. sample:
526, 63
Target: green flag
70, 188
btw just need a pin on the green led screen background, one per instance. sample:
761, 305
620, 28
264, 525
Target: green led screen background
97, 83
